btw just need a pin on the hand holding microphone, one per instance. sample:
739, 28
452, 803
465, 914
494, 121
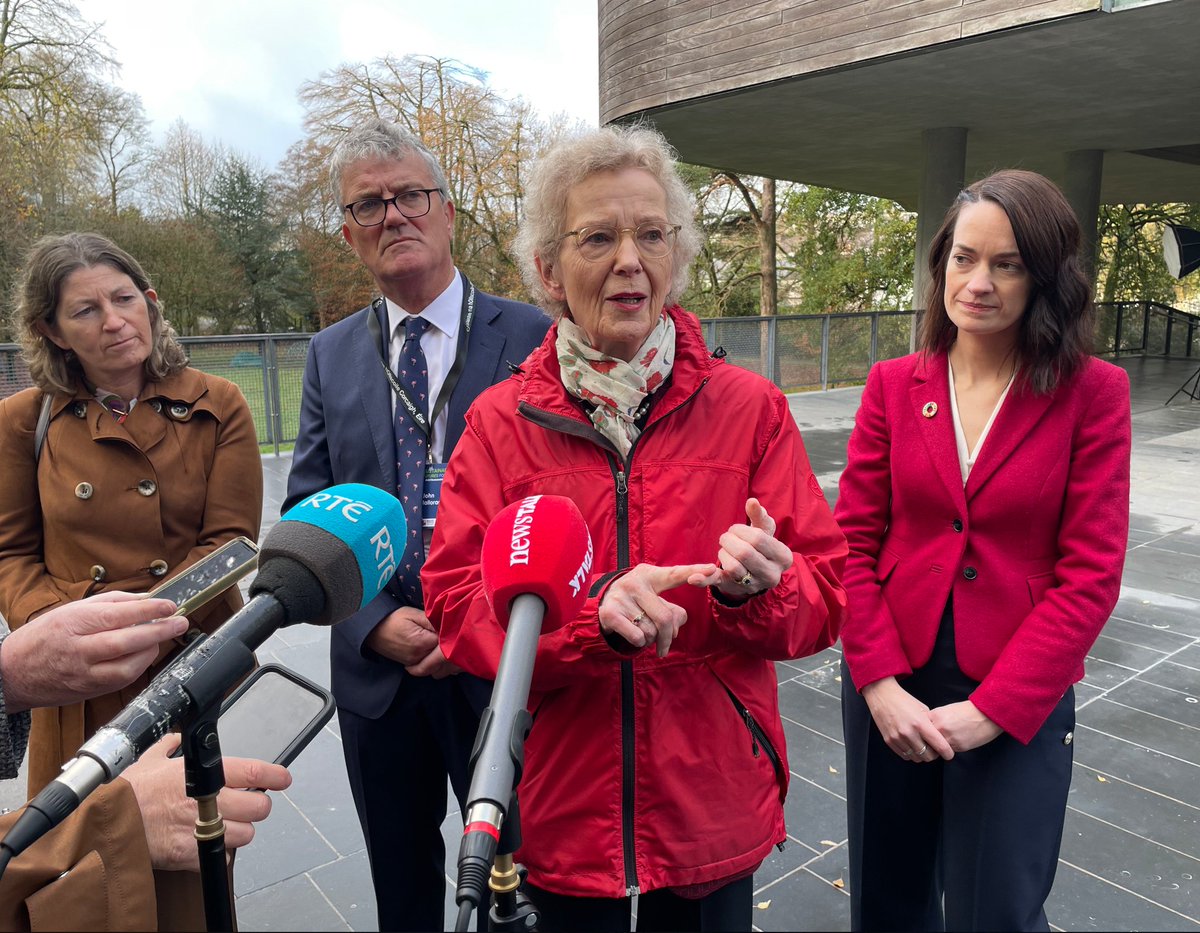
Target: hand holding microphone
325, 559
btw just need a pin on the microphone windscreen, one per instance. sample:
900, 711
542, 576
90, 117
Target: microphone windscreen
349, 537
538, 545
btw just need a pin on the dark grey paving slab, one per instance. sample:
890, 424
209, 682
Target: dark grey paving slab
293, 904
291, 847
814, 709
1148, 729
1175, 676
346, 883
1147, 636
1152, 871
1128, 761
820, 759
1105, 674
1081, 901
801, 901
1162, 701
321, 791
1134, 657
815, 816
1169, 821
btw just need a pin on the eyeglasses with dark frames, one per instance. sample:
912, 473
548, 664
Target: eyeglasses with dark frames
654, 239
371, 212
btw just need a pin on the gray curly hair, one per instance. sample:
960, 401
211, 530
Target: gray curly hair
575, 159
50, 262
378, 139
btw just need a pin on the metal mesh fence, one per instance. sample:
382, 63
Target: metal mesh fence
796, 352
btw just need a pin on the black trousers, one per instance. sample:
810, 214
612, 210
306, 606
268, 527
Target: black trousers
966, 844
397, 766
728, 908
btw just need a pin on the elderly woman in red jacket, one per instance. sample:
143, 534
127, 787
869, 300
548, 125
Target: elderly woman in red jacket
986, 503
656, 762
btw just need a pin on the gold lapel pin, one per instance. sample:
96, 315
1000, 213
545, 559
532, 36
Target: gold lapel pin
930, 409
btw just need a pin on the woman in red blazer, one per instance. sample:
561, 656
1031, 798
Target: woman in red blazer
986, 503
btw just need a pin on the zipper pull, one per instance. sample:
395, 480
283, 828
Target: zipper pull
750, 728
622, 486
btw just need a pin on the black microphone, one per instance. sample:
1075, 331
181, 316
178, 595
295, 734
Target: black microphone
536, 561
324, 560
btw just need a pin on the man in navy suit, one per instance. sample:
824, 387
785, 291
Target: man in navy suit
407, 716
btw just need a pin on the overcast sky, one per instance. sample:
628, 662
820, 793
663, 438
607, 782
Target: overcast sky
231, 68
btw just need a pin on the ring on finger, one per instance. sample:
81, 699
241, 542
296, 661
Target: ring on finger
924, 749
745, 580
639, 618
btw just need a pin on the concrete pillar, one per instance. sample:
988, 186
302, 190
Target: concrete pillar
1085, 171
943, 167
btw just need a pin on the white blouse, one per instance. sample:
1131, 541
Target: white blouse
966, 459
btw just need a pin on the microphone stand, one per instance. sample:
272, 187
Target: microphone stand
205, 775
512, 910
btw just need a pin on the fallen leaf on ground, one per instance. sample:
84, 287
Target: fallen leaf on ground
839, 883
763, 905
828, 842
1101, 778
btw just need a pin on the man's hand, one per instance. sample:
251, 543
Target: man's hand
405, 636
84, 649
169, 815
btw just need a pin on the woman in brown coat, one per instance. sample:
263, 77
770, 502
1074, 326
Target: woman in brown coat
146, 464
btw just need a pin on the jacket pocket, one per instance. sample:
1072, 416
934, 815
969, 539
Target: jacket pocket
885, 563
759, 740
1038, 584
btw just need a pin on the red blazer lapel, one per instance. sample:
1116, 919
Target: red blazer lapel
929, 400
1019, 414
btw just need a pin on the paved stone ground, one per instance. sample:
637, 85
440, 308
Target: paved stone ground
1131, 850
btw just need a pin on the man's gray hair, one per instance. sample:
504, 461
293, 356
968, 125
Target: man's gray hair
575, 159
378, 139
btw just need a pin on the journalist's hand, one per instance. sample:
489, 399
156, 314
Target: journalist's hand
84, 649
169, 815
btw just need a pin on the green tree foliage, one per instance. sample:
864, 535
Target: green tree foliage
241, 214
1131, 266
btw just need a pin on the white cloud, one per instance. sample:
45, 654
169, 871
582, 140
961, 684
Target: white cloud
232, 69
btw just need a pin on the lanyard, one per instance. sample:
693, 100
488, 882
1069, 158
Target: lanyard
452, 377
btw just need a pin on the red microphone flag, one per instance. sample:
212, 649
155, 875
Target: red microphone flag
538, 545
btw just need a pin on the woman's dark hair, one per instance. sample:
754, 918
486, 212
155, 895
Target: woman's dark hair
1055, 332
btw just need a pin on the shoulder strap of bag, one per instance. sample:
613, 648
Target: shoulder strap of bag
43, 424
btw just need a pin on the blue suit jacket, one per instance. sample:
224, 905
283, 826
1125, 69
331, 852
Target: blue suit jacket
346, 436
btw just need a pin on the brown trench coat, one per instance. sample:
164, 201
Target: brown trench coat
93, 872
131, 504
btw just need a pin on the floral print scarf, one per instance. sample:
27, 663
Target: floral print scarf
617, 389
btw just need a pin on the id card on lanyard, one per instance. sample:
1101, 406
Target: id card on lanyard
432, 493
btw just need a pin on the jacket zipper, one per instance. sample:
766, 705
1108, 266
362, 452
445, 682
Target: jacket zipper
758, 737
627, 756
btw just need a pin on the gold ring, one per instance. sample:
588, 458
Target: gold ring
746, 581
639, 618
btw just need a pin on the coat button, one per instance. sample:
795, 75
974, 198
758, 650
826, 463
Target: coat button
1068, 738
158, 567
98, 573
147, 487
84, 491
957, 524
79, 409
179, 411
970, 573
